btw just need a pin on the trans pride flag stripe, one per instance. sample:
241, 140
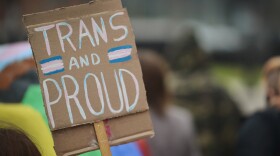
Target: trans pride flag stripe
120, 54
52, 65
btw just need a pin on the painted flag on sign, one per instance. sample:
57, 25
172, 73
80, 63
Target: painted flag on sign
120, 54
52, 65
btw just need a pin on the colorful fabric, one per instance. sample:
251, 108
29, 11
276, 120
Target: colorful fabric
92, 153
33, 98
144, 147
130, 149
10, 53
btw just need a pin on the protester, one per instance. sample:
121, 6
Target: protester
25, 124
174, 130
15, 143
260, 136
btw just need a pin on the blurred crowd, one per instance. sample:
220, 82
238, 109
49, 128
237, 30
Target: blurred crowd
210, 69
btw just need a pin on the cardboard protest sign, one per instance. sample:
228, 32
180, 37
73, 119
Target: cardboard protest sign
89, 72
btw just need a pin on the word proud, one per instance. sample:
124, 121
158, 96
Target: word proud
90, 80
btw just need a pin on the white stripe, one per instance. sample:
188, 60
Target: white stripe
53, 69
50, 63
52, 66
119, 54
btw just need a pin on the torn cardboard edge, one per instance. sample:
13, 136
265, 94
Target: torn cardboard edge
92, 7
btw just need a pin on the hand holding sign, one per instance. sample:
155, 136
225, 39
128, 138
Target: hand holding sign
89, 69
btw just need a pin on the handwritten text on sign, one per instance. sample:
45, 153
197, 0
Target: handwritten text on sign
88, 68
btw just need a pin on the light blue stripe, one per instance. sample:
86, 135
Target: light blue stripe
20, 57
51, 59
54, 72
124, 59
120, 47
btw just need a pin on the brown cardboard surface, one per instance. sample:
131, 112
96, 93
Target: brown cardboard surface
121, 130
89, 71
72, 80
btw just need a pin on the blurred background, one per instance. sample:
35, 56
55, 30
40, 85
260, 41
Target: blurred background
215, 48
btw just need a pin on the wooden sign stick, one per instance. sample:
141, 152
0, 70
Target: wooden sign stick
102, 138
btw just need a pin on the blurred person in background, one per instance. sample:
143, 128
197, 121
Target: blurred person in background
260, 135
23, 132
198, 86
173, 125
15, 143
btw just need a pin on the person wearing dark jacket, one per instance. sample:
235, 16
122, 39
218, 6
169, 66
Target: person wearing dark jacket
260, 135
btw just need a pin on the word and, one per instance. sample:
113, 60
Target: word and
84, 61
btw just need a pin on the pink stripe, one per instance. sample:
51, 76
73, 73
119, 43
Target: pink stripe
119, 54
53, 69
51, 63
14, 49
